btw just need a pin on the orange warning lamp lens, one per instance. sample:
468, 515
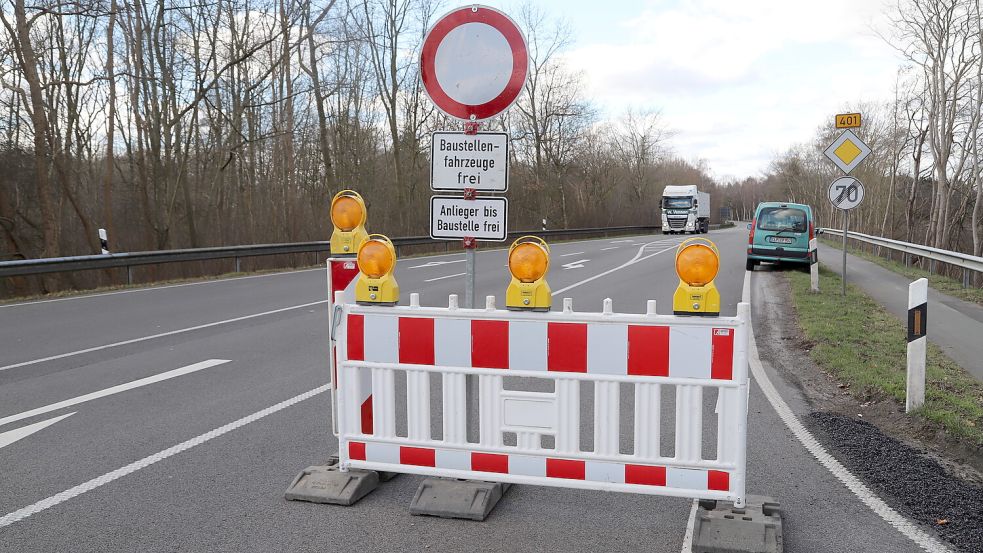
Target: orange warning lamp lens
697, 264
528, 262
346, 213
375, 259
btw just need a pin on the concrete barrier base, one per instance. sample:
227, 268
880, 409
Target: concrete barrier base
327, 484
722, 528
450, 498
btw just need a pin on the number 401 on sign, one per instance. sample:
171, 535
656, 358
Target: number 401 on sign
848, 120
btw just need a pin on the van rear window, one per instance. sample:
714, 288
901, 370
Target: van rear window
783, 218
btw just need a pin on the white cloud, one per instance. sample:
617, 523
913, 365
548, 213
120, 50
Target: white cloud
741, 81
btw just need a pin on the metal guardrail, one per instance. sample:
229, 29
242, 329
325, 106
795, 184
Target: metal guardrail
115, 260
966, 261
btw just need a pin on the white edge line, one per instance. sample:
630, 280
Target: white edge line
569, 254
609, 248
443, 277
76, 491
114, 390
812, 445
161, 335
153, 288
690, 528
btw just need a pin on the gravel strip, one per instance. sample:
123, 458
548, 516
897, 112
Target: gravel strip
914, 483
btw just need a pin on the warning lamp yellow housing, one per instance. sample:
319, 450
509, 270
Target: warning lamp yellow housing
376, 260
697, 262
529, 261
348, 216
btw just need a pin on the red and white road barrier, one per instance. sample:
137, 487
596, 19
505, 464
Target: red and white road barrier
694, 359
342, 274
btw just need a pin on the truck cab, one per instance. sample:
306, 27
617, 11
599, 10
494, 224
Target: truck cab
685, 209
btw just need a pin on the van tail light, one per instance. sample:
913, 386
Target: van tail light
812, 230
750, 236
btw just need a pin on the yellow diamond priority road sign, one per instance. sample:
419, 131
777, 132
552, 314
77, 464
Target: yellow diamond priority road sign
847, 151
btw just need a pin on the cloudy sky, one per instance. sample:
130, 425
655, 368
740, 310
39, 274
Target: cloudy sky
737, 80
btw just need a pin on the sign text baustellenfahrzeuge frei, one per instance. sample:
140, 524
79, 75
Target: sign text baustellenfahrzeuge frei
478, 161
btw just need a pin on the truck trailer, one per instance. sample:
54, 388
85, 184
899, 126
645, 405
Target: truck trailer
685, 209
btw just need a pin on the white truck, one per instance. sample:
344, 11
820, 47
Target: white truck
685, 209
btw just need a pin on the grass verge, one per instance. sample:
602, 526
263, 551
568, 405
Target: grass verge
864, 347
944, 284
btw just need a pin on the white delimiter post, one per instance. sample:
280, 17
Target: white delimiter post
917, 337
814, 264
103, 241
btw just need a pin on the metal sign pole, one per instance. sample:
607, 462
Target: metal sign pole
846, 229
469, 278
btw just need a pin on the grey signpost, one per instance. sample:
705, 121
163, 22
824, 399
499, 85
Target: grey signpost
846, 193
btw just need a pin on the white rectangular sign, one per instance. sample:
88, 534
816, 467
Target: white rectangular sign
479, 161
454, 218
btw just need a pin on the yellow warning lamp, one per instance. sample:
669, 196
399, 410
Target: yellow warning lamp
697, 262
348, 217
376, 260
529, 261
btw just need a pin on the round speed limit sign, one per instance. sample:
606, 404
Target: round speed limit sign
846, 193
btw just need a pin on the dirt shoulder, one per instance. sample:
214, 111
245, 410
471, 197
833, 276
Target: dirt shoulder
912, 463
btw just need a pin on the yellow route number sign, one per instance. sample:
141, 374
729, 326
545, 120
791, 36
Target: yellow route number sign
847, 120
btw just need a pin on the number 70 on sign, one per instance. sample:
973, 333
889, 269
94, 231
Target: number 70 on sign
846, 193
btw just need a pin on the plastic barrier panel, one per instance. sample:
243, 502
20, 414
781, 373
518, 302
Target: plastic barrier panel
679, 384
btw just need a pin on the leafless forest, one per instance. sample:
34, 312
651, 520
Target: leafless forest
184, 124
218, 122
924, 179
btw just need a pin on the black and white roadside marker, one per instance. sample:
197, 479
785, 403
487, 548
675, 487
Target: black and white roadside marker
917, 336
103, 241
814, 264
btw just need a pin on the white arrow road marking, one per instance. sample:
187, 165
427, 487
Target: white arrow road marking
436, 263
114, 390
574, 253
21, 514
579, 264
443, 277
637, 259
11, 436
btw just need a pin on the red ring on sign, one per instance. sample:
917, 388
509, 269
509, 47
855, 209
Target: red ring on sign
520, 63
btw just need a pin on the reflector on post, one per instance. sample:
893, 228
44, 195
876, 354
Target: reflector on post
697, 262
376, 260
348, 216
529, 261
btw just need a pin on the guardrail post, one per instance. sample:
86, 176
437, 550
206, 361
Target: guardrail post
965, 277
129, 275
238, 264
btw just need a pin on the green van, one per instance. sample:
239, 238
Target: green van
780, 233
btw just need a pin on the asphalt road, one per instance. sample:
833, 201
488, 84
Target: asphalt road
108, 477
953, 324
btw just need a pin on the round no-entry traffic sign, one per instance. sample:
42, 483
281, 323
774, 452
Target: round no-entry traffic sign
846, 193
474, 63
